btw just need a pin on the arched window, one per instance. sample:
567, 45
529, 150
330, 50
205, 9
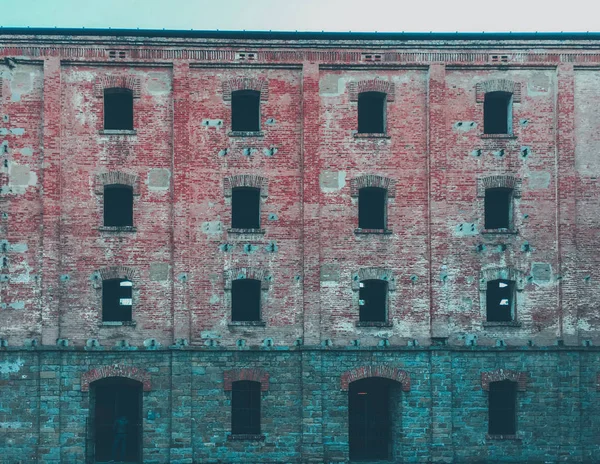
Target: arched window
118, 205
373, 300
497, 113
245, 208
118, 109
116, 300
503, 408
498, 208
245, 408
371, 112
245, 300
245, 110
500, 300
372, 204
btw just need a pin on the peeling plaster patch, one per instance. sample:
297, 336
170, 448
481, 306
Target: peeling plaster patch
466, 303
212, 122
210, 334
159, 272
158, 84
330, 273
159, 180
212, 227
332, 181
27, 151
21, 83
538, 85
17, 305
20, 177
8, 367
332, 85
539, 180
18, 247
214, 299
465, 229
16, 425
464, 126
12, 131
541, 273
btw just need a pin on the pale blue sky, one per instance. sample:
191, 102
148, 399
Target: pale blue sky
308, 15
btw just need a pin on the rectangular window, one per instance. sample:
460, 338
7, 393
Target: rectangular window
373, 301
497, 113
118, 109
245, 111
118, 205
245, 408
500, 300
372, 208
371, 112
116, 300
498, 208
245, 208
503, 408
245, 300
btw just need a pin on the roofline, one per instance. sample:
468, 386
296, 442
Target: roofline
306, 35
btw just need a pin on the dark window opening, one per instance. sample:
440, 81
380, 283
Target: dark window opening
371, 208
503, 408
498, 208
497, 117
373, 301
118, 109
245, 110
370, 421
116, 300
371, 112
500, 300
245, 300
245, 208
245, 408
117, 416
118, 205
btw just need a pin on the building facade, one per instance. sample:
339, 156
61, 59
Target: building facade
293, 248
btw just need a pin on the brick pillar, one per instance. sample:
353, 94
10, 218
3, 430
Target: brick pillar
569, 406
50, 267
181, 408
311, 197
180, 202
566, 204
440, 365
49, 451
312, 407
436, 95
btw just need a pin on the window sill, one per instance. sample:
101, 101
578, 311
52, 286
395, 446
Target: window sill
502, 324
117, 229
500, 231
246, 134
502, 437
118, 132
358, 230
498, 136
374, 135
247, 324
117, 324
245, 437
373, 324
245, 231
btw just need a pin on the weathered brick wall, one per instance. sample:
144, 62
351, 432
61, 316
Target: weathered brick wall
182, 160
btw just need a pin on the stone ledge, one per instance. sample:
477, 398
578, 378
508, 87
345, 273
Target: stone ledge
245, 437
366, 135
118, 132
247, 324
246, 134
117, 324
502, 324
235, 230
498, 136
360, 231
500, 231
502, 437
373, 324
117, 229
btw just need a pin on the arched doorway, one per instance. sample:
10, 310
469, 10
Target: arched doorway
373, 419
113, 399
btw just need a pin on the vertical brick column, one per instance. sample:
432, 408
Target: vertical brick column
181, 408
440, 365
180, 211
49, 450
569, 406
437, 196
311, 198
566, 205
51, 203
311, 377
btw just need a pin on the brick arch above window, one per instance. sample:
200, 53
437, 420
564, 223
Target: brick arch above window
498, 85
598, 382
121, 82
114, 272
247, 273
246, 180
386, 372
245, 83
116, 370
499, 181
499, 375
116, 177
373, 180
371, 85
374, 273
253, 375
504, 273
